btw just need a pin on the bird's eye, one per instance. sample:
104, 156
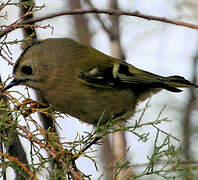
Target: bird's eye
26, 70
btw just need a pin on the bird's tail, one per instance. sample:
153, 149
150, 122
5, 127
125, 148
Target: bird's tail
172, 82
144, 79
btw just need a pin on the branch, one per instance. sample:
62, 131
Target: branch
94, 10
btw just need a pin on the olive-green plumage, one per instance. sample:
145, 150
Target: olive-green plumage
85, 83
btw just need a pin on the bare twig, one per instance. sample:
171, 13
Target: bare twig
94, 10
104, 27
6, 59
3, 5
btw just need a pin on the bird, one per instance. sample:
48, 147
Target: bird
85, 83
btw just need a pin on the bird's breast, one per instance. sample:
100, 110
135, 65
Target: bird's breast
89, 103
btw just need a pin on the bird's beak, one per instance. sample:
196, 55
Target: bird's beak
14, 82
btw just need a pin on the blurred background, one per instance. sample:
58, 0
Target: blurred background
154, 46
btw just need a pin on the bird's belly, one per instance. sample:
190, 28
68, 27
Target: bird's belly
92, 103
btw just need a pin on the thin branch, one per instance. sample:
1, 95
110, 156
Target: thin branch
14, 147
104, 27
3, 5
94, 141
94, 10
20, 164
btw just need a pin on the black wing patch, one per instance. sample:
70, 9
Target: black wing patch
103, 77
125, 79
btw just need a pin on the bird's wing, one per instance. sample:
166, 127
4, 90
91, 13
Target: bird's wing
123, 75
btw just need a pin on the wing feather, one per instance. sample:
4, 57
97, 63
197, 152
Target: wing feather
124, 75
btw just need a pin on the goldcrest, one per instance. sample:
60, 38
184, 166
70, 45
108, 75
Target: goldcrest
82, 82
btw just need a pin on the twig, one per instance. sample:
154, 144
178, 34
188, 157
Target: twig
94, 10
20, 164
3, 5
105, 28
94, 141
